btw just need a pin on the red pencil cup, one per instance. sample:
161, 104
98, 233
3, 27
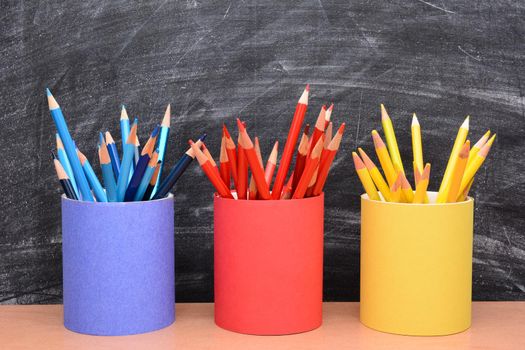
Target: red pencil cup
269, 265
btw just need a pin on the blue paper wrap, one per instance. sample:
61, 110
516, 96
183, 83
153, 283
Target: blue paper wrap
118, 266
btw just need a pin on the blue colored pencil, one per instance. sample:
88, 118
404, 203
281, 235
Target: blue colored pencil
97, 188
142, 164
151, 185
64, 179
62, 156
60, 122
113, 154
163, 141
124, 131
152, 165
127, 159
107, 172
177, 171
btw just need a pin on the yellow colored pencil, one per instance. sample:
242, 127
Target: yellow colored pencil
463, 195
391, 141
395, 190
458, 144
384, 158
422, 185
476, 163
406, 189
417, 177
477, 146
378, 179
365, 178
459, 170
417, 147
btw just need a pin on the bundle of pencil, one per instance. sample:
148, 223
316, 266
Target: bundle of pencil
136, 178
313, 160
463, 164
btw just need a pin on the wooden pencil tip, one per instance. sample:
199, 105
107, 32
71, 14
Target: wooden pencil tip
384, 114
465, 124
414, 120
341, 128
52, 103
331, 108
240, 125
357, 161
166, 120
304, 97
123, 113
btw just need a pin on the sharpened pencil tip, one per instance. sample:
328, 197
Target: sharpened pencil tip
307, 88
414, 120
465, 124
48, 92
203, 137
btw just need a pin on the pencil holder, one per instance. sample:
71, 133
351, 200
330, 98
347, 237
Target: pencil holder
118, 266
416, 266
268, 265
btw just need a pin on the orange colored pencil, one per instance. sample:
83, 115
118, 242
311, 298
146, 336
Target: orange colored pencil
318, 129
246, 144
271, 163
224, 168
326, 161
210, 172
300, 158
311, 164
291, 140
231, 152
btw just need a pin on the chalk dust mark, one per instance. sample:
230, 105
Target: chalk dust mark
437, 7
469, 55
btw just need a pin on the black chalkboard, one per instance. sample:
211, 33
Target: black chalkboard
216, 60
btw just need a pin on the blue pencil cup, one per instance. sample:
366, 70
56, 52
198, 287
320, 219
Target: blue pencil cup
118, 266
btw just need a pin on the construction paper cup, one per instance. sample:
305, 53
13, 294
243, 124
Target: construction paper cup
416, 266
269, 265
118, 266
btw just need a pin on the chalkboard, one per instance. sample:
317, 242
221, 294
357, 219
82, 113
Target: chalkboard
216, 60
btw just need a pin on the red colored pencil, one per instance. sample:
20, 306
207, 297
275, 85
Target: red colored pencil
311, 164
318, 130
210, 172
225, 164
271, 163
287, 192
311, 184
328, 115
326, 162
242, 171
252, 187
300, 158
328, 135
231, 152
291, 140
246, 144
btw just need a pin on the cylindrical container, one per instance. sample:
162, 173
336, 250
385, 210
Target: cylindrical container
118, 266
268, 265
416, 266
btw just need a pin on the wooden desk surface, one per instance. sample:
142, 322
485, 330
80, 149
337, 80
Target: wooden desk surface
496, 325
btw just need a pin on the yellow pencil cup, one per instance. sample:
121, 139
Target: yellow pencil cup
416, 266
